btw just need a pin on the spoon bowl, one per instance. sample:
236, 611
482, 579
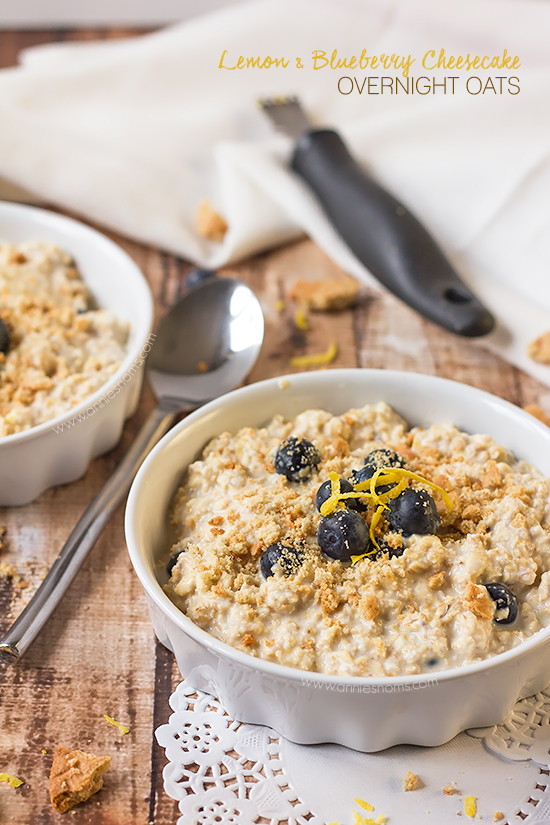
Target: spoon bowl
207, 343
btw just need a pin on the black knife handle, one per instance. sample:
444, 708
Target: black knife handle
386, 236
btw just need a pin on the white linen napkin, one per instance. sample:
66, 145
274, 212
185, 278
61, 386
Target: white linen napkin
134, 134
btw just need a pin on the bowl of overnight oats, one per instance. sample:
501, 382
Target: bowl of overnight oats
352, 556
75, 316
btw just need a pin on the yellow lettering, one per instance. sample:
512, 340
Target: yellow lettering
252, 62
221, 66
363, 58
483, 66
317, 56
431, 54
353, 62
459, 62
506, 60
407, 65
374, 62
515, 65
451, 62
475, 62
241, 63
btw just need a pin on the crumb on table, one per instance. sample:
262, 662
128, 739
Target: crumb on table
497, 815
411, 782
539, 349
75, 776
449, 790
325, 296
210, 223
538, 412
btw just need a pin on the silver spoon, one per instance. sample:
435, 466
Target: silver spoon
205, 346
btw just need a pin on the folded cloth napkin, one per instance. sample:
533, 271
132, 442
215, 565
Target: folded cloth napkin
134, 134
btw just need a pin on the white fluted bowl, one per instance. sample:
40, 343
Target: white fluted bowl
367, 714
59, 450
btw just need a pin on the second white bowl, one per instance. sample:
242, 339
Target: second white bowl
59, 451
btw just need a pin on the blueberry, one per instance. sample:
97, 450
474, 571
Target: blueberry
198, 276
375, 461
394, 552
504, 600
4, 337
287, 556
323, 494
343, 534
414, 511
172, 562
296, 458
432, 662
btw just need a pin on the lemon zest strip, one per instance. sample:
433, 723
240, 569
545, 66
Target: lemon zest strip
375, 519
326, 357
122, 728
331, 503
11, 780
386, 475
362, 804
300, 319
470, 806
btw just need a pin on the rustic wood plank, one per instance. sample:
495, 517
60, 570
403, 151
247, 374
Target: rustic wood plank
98, 655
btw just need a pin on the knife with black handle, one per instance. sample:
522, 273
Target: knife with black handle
381, 232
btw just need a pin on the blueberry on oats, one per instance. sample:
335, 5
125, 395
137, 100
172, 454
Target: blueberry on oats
296, 459
414, 511
507, 607
287, 556
342, 535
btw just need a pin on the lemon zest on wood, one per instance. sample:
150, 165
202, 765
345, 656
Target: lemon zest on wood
300, 319
470, 806
362, 804
11, 780
317, 358
122, 728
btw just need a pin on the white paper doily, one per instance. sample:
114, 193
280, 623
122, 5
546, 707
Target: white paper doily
223, 772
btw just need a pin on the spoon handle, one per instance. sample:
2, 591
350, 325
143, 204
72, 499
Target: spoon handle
34, 616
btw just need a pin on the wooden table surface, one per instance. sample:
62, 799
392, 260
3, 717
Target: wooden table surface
98, 655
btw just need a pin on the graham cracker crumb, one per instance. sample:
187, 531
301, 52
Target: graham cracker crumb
539, 349
75, 776
478, 601
411, 782
538, 412
210, 224
325, 296
248, 640
449, 790
7, 571
497, 815
435, 581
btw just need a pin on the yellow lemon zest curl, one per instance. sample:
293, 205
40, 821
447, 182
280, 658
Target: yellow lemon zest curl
11, 780
367, 490
122, 728
318, 358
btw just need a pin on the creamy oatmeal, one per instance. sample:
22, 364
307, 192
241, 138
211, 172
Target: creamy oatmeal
356, 591
55, 348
